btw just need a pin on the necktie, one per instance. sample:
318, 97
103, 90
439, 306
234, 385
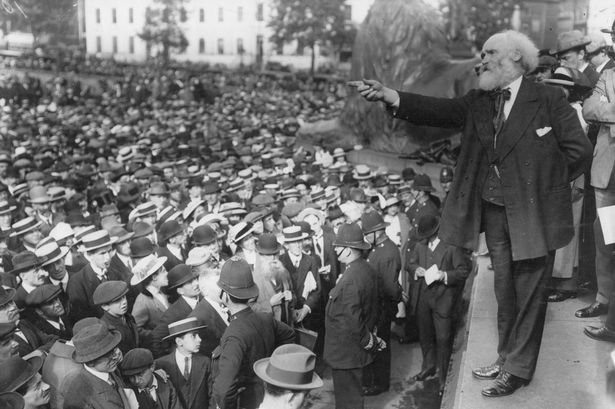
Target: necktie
501, 96
186, 368
103, 277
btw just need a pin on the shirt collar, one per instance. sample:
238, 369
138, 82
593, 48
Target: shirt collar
601, 66
514, 88
104, 376
192, 302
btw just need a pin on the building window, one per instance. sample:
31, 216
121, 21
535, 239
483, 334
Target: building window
220, 14
201, 46
97, 16
131, 45
348, 12
114, 45
130, 16
240, 49
259, 12
98, 44
114, 16
220, 46
239, 13
201, 15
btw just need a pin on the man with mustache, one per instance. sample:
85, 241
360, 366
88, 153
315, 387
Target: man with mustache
522, 144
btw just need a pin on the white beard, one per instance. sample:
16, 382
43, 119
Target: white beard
499, 75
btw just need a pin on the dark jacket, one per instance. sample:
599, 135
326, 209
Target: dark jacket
127, 326
177, 311
36, 339
172, 261
386, 262
535, 168
210, 336
167, 395
195, 393
307, 265
82, 390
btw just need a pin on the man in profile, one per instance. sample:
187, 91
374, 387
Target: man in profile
522, 144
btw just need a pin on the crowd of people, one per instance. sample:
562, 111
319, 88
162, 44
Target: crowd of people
166, 245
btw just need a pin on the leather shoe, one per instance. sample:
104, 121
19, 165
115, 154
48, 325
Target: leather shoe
600, 333
487, 372
561, 295
593, 310
424, 374
373, 390
505, 384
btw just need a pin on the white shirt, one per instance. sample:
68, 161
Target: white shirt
601, 66
434, 243
176, 251
158, 295
294, 259
100, 375
514, 91
222, 312
180, 360
29, 288
393, 230
192, 302
99, 273
152, 390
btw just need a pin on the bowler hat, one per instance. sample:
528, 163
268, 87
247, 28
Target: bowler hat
169, 229
422, 183
146, 267
358, 195
180, 275
236, 279
24, 226
351, 235
96, 240
109, 291
211, 187
141, 247
204, 235
184, 326
129, 192
334, 212
24, 261
136, 361
120, 234
11, 400
18, 371
372, 221
569, 40
291, 366
142, 229
427, 226
268, 244
94, 341
43, 294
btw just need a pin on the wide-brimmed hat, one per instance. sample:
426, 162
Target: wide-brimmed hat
43, 294
184, 326
240, 231
97, 240
18, 371
268, 244
372, 221
198, 256
351, 235
169, 229
293, 233
427, 226
11, 400
313, 212
50, 252
180, 275
94, 341
5, 207
291, 366
362, 172
24, 261
24, 226
120, 234
422, 183
191, 207
146, 267
204, 235
109, 291
236, 279
136, 361
569, 40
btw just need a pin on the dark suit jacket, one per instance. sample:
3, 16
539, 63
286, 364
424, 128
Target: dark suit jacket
168, 398
351, 317
177, 311
448, 258
172, 261
535, 169
127, 327
118, 269
36, 338
44, 326
147, 312
195, 394
591, 74
249, 337
210, 336
82, 390
386, 262
307, 265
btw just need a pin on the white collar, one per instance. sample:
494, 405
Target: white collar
433, 244
601, 66
104, 376
29, 288
192, 302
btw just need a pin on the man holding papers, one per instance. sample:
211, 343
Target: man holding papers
440, 271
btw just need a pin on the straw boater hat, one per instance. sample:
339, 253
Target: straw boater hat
146, 267
291, 366
50, 252
240, 231
293, 233
184, 326
5, 207
24, 226
97, 240
362, 172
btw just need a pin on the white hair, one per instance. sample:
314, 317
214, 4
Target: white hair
521, 43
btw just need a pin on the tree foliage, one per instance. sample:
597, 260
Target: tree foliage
163, 27
474, 21
311, 22
56, 18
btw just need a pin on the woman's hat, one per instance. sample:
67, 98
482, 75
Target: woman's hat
16, 372
372, 221
351, 235
198, 256
293, 233
191, 207
97, 240
268, 244
312, 211
94, 341
184, 326
427, 226
291, 366
240, 231
236, 279
180, 275
146, 267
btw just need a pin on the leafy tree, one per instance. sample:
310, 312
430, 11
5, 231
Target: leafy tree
311, 22
163, 27
56, 18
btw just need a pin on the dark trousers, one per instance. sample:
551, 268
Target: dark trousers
347, 388
378, 373
520, 291
435, 332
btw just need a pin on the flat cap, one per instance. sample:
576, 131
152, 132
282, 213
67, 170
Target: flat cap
109, 291
136, 361
43, 294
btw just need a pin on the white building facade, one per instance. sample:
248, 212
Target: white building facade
229, 32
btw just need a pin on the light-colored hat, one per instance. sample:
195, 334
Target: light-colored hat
198, 256
38, 194
146, 267
240, 231
50, 252
97, 240
291, 366
24, 226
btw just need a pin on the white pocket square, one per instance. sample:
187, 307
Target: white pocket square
543, 131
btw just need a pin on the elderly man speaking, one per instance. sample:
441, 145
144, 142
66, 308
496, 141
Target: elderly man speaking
522, 144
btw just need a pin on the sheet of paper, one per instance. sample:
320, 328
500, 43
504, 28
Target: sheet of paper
607, 222
431, 274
